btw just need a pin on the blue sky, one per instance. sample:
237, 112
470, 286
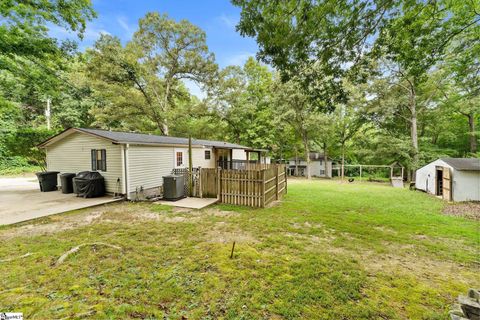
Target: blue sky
216, 17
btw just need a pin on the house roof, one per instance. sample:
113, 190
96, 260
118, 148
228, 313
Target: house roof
463, 164
141, 138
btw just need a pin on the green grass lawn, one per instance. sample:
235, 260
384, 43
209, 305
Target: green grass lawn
328, 251
18, 171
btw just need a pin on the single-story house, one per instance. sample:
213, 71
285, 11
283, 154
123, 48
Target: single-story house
298, 166
453, 179
130, 161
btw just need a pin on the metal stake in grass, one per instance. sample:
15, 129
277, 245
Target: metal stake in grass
233, 248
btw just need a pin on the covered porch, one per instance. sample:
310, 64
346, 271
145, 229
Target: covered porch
236, 159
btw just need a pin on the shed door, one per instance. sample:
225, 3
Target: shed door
447, 184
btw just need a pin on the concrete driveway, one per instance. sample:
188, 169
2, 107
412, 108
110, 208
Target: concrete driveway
21, 200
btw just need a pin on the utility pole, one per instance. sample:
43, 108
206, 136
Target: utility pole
47, 113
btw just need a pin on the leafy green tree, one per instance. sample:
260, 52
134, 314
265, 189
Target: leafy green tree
24, 28
295, 108
325, 41
146, 75
243, 100
347, 121
461, 91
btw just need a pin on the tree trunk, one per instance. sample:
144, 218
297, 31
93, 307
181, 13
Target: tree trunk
296, 162
414, 135
307, 154
325, 160
165, 108
343, 161
472, 133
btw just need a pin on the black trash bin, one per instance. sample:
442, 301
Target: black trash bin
67, 182
47, 180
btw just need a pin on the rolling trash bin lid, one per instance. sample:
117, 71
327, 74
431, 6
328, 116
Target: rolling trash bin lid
68, 175
46, 173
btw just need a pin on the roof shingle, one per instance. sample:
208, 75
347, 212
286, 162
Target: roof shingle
141, 138
463, 164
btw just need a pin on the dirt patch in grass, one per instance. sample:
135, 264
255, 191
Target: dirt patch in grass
67, 223
179, 219
222, 232
115, 213
181, 210
219, 213
469, 210
431, 271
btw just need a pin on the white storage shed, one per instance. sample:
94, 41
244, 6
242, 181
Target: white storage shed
453, 179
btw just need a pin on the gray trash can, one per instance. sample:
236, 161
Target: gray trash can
66, 180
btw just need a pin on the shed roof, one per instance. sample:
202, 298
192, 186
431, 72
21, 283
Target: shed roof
141, 138
463, 164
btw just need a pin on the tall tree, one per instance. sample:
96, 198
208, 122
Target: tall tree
173, 51
295, 108
461, 68
243, 100
152, 66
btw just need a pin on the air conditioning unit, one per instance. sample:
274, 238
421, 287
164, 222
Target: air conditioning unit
173, 187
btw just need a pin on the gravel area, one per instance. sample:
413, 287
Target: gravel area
470, 210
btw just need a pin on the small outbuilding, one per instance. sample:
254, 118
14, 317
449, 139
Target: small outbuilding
453, 179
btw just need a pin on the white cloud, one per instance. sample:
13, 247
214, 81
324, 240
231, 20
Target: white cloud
239, 59
229, 21
123, 22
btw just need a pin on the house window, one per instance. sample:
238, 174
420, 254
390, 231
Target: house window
207, 154
179, 159
99, 160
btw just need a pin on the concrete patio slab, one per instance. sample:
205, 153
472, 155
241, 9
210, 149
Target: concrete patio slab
191, 203
21, 200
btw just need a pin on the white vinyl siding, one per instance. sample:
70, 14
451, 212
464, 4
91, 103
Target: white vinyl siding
198, 158
239, 154
73, 154
148, 165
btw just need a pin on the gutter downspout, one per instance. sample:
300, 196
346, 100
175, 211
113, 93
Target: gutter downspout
126, 170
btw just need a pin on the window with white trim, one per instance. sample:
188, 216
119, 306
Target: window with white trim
179, 158
207, 155
99, 159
